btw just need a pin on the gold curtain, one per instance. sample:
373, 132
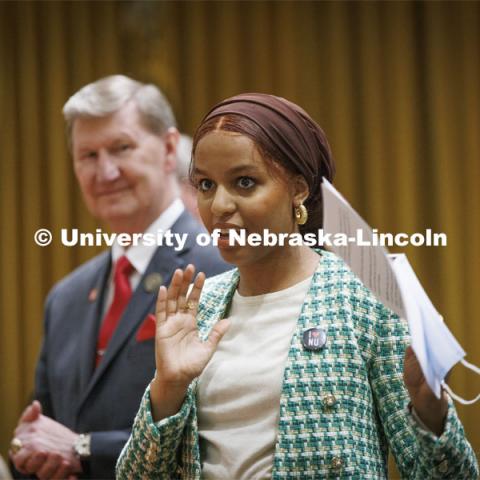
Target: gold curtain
394, 84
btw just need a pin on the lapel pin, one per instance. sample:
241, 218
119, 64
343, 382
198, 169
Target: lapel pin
152, 282
314, 339
92, 295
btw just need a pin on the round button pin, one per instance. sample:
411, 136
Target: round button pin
152, 282
92, 295
314, 339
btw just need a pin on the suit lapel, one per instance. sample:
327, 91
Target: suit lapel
90, 311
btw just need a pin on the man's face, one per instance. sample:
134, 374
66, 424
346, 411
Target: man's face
124, 170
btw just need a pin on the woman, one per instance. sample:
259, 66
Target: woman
307, 380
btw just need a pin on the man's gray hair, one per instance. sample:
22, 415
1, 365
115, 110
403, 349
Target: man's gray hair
109, 94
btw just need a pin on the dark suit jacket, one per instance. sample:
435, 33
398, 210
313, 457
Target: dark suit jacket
104, 401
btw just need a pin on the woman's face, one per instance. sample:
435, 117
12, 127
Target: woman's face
236, 190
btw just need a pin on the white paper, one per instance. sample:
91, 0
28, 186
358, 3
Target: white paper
371, 264
393, 281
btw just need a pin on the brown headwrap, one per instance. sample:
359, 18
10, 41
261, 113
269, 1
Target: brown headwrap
298, 143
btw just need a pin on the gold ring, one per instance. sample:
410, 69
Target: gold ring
189, 306
16, 445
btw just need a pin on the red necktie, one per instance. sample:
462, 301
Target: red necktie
121, 297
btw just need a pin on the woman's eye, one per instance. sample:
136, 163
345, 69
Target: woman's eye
204, 185
245, 182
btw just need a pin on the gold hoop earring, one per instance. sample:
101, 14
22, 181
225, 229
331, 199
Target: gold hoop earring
301, 214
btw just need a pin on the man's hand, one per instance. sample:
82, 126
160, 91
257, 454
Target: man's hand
47, 446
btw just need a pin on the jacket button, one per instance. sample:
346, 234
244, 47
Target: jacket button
329, 400
150, 455
336, 463
443, 467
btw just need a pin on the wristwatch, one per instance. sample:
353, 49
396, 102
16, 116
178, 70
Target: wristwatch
81, 447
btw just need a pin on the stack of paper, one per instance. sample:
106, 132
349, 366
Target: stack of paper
393, 281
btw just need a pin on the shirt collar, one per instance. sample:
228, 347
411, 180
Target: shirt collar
140, 255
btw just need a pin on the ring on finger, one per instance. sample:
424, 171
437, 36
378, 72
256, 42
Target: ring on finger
189, 306
16, 445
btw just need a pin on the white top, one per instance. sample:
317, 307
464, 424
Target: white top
239, 390
139, 254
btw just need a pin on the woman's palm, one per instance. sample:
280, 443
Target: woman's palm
180, 353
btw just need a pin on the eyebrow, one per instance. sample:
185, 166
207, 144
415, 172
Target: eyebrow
80, 150
234, 170
118, 139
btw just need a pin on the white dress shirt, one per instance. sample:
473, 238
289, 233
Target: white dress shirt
140, 255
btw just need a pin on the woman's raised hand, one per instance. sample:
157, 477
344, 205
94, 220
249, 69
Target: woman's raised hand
180, 354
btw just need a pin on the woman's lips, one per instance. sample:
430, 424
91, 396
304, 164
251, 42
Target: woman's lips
223, 239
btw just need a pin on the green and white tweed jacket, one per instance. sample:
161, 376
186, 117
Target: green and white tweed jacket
341, 409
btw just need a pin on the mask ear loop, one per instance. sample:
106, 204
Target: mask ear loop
459, 399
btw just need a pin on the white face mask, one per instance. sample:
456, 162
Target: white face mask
436, 348
393, 281
457, 397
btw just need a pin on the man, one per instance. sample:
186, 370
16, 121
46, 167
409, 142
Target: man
98, 349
